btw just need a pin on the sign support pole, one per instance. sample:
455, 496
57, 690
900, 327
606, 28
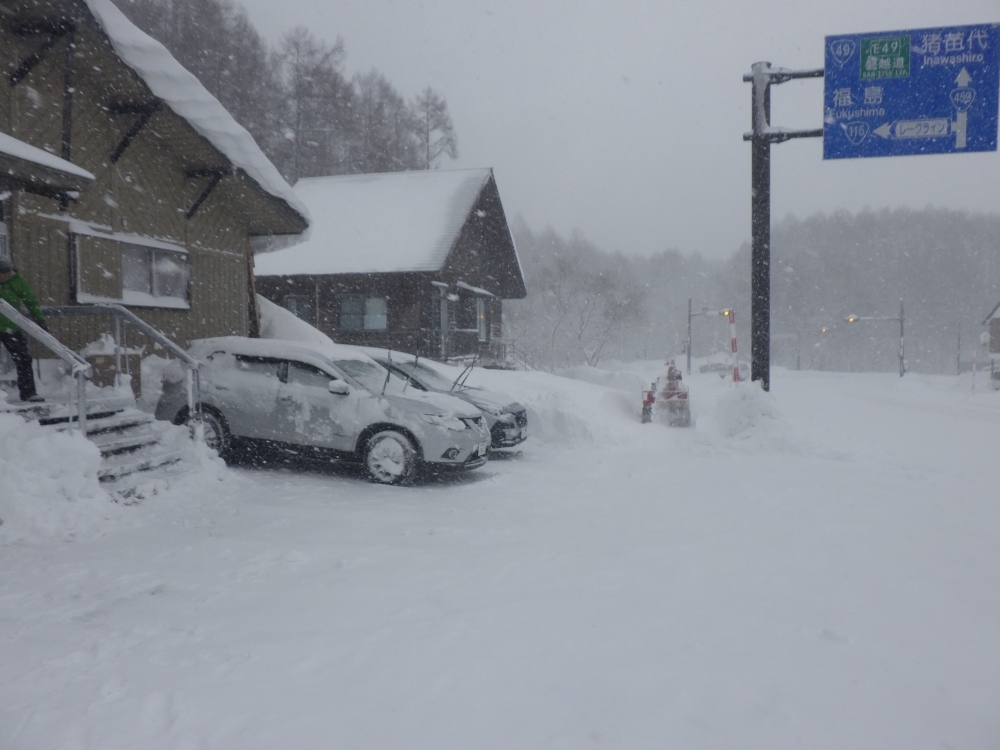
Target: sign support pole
760, 223
761, 138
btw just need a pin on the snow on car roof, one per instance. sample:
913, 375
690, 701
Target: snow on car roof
180, 90
280, 348
379, 223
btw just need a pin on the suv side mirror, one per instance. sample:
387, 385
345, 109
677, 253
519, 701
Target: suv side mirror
339, 387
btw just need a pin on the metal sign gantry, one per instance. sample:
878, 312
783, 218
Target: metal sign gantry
761, 138
894, 93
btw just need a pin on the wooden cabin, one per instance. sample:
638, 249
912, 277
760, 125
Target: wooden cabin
419, 262
153, 197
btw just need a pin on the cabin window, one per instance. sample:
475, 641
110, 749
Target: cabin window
484, 333
359, 313
153, 277
299, 305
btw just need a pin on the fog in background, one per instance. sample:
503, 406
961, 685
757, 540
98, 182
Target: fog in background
623, 120
586, 306
615, 137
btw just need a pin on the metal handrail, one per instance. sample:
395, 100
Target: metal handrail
80, 367
123, 313
106, 308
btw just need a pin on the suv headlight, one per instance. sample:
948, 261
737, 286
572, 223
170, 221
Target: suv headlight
446, 421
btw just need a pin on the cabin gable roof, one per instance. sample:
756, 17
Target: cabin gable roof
400, 222
147, 88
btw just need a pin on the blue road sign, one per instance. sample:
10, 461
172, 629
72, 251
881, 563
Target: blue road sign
924, 91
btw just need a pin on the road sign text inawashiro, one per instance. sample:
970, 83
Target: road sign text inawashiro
925, 91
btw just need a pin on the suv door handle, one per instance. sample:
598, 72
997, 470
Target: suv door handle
219, 387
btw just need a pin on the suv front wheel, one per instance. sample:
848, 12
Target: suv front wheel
390, 458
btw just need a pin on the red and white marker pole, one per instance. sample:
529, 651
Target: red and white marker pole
732, 344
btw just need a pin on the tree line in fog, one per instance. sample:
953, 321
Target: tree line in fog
585, 305
295, 98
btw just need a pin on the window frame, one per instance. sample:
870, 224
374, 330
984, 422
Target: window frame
303, 306
150, 254
153, 298
364, 316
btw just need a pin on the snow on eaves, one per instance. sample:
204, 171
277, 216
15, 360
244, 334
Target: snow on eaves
180, 90
379, 223
21, 150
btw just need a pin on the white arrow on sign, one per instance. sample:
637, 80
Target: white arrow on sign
961, 99
908, 129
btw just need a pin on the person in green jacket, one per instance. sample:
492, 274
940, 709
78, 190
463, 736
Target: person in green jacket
15, 290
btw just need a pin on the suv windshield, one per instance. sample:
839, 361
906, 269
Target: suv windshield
370, 374
426, 376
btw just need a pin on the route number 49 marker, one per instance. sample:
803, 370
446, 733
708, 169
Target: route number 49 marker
924, 91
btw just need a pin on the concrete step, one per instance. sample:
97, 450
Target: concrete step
129, 439
59, 411
114, 442
126, 464
115, 422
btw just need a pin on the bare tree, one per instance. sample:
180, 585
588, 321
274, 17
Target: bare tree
386, 129
435, 134
318, 106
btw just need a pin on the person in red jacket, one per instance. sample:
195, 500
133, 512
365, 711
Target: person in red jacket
15, 290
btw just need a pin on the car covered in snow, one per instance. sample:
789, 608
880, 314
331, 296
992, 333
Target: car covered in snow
506, 418
325, 400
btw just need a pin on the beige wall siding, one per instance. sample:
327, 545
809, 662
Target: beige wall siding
42, 256
145, 193
995, 336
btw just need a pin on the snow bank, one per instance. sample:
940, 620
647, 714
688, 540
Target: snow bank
278, 323
748, 413
50, 485
629, 382
561, 411
196, 478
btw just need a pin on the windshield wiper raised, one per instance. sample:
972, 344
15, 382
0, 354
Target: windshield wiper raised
466, 372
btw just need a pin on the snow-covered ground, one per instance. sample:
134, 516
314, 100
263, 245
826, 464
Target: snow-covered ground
818, 567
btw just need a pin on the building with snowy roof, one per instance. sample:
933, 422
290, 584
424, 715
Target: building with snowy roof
414, 261
993, 321
122, 180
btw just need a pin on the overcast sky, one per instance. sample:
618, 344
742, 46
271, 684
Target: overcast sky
624, 120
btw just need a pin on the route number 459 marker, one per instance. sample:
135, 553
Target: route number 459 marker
924, 91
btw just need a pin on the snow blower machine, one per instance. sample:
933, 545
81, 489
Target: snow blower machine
667, 400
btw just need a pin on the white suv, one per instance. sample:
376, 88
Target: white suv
326, 400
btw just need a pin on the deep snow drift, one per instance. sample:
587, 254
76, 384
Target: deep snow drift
816, 567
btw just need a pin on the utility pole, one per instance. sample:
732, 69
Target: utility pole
705, 311
689, 336
902, 352
761, 138
958, 354
900, 320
